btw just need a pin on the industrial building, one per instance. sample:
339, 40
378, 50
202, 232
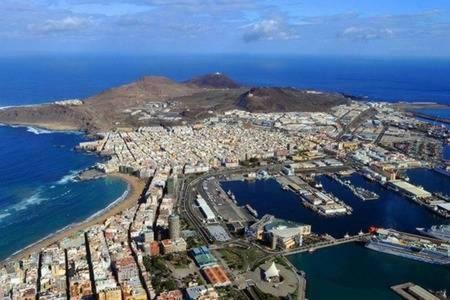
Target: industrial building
409, 189
206, 210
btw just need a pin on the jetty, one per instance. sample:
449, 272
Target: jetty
329, 243
359, 192
430, 117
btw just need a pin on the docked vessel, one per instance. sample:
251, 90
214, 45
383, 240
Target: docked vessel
444, 171
359, 192
409, 246
252, 211
441, 232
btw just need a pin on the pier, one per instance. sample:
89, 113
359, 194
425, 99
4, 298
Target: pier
359, 192
326, 244
431, 118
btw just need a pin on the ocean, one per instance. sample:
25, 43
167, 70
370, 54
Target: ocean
37, 79
38, 194
351, 271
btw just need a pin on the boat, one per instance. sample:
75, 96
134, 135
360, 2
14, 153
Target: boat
443, 171
409, 246
252, 211
441, 232
442, 196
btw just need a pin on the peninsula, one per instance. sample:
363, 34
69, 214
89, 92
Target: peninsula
161, 101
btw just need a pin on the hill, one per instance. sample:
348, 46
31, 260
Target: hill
215, 80
159, 100
267, 99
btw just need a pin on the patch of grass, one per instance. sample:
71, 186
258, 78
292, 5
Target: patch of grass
230, 293
264, 296
178, 260
240, 258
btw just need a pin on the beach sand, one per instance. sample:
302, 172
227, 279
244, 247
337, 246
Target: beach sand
136, 186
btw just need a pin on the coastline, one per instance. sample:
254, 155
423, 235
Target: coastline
130, 198
57, 127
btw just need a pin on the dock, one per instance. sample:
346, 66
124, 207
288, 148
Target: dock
293, 183
431, 118
328, 243
359, 192
411, 291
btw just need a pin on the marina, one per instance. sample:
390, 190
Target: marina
392, 210
359, 192
313, 197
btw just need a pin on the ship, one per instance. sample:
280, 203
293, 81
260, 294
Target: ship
409, 246
252, 211
442, 196
444, 171
441, 232
364, 194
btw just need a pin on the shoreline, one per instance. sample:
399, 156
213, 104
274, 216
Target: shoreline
130, 198
61, 128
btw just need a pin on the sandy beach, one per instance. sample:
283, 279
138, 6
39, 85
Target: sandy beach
136, 186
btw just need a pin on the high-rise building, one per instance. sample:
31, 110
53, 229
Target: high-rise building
174, 226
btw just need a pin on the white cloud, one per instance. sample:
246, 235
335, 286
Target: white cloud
269, 29
366, 33
69, 23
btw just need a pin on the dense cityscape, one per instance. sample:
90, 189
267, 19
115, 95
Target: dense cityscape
188, 238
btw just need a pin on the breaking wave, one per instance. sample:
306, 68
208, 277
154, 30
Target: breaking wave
34, 199
36, 130
69, 177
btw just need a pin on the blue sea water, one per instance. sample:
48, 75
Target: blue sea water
38, 195
37, 79
390, 211
350, 271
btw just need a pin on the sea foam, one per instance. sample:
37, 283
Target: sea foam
34, 199
38, 130
69, 177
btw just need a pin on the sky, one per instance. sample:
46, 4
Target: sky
311, 27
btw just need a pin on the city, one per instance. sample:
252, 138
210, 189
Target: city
187, 237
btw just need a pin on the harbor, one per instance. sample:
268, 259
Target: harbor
393, 209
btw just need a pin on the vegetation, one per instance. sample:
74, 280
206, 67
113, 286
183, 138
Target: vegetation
264, 296
193, 242
281, 260
162, 279
230, 293
179, 260
241, 258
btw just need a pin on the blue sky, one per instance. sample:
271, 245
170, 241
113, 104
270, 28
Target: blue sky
320, 27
